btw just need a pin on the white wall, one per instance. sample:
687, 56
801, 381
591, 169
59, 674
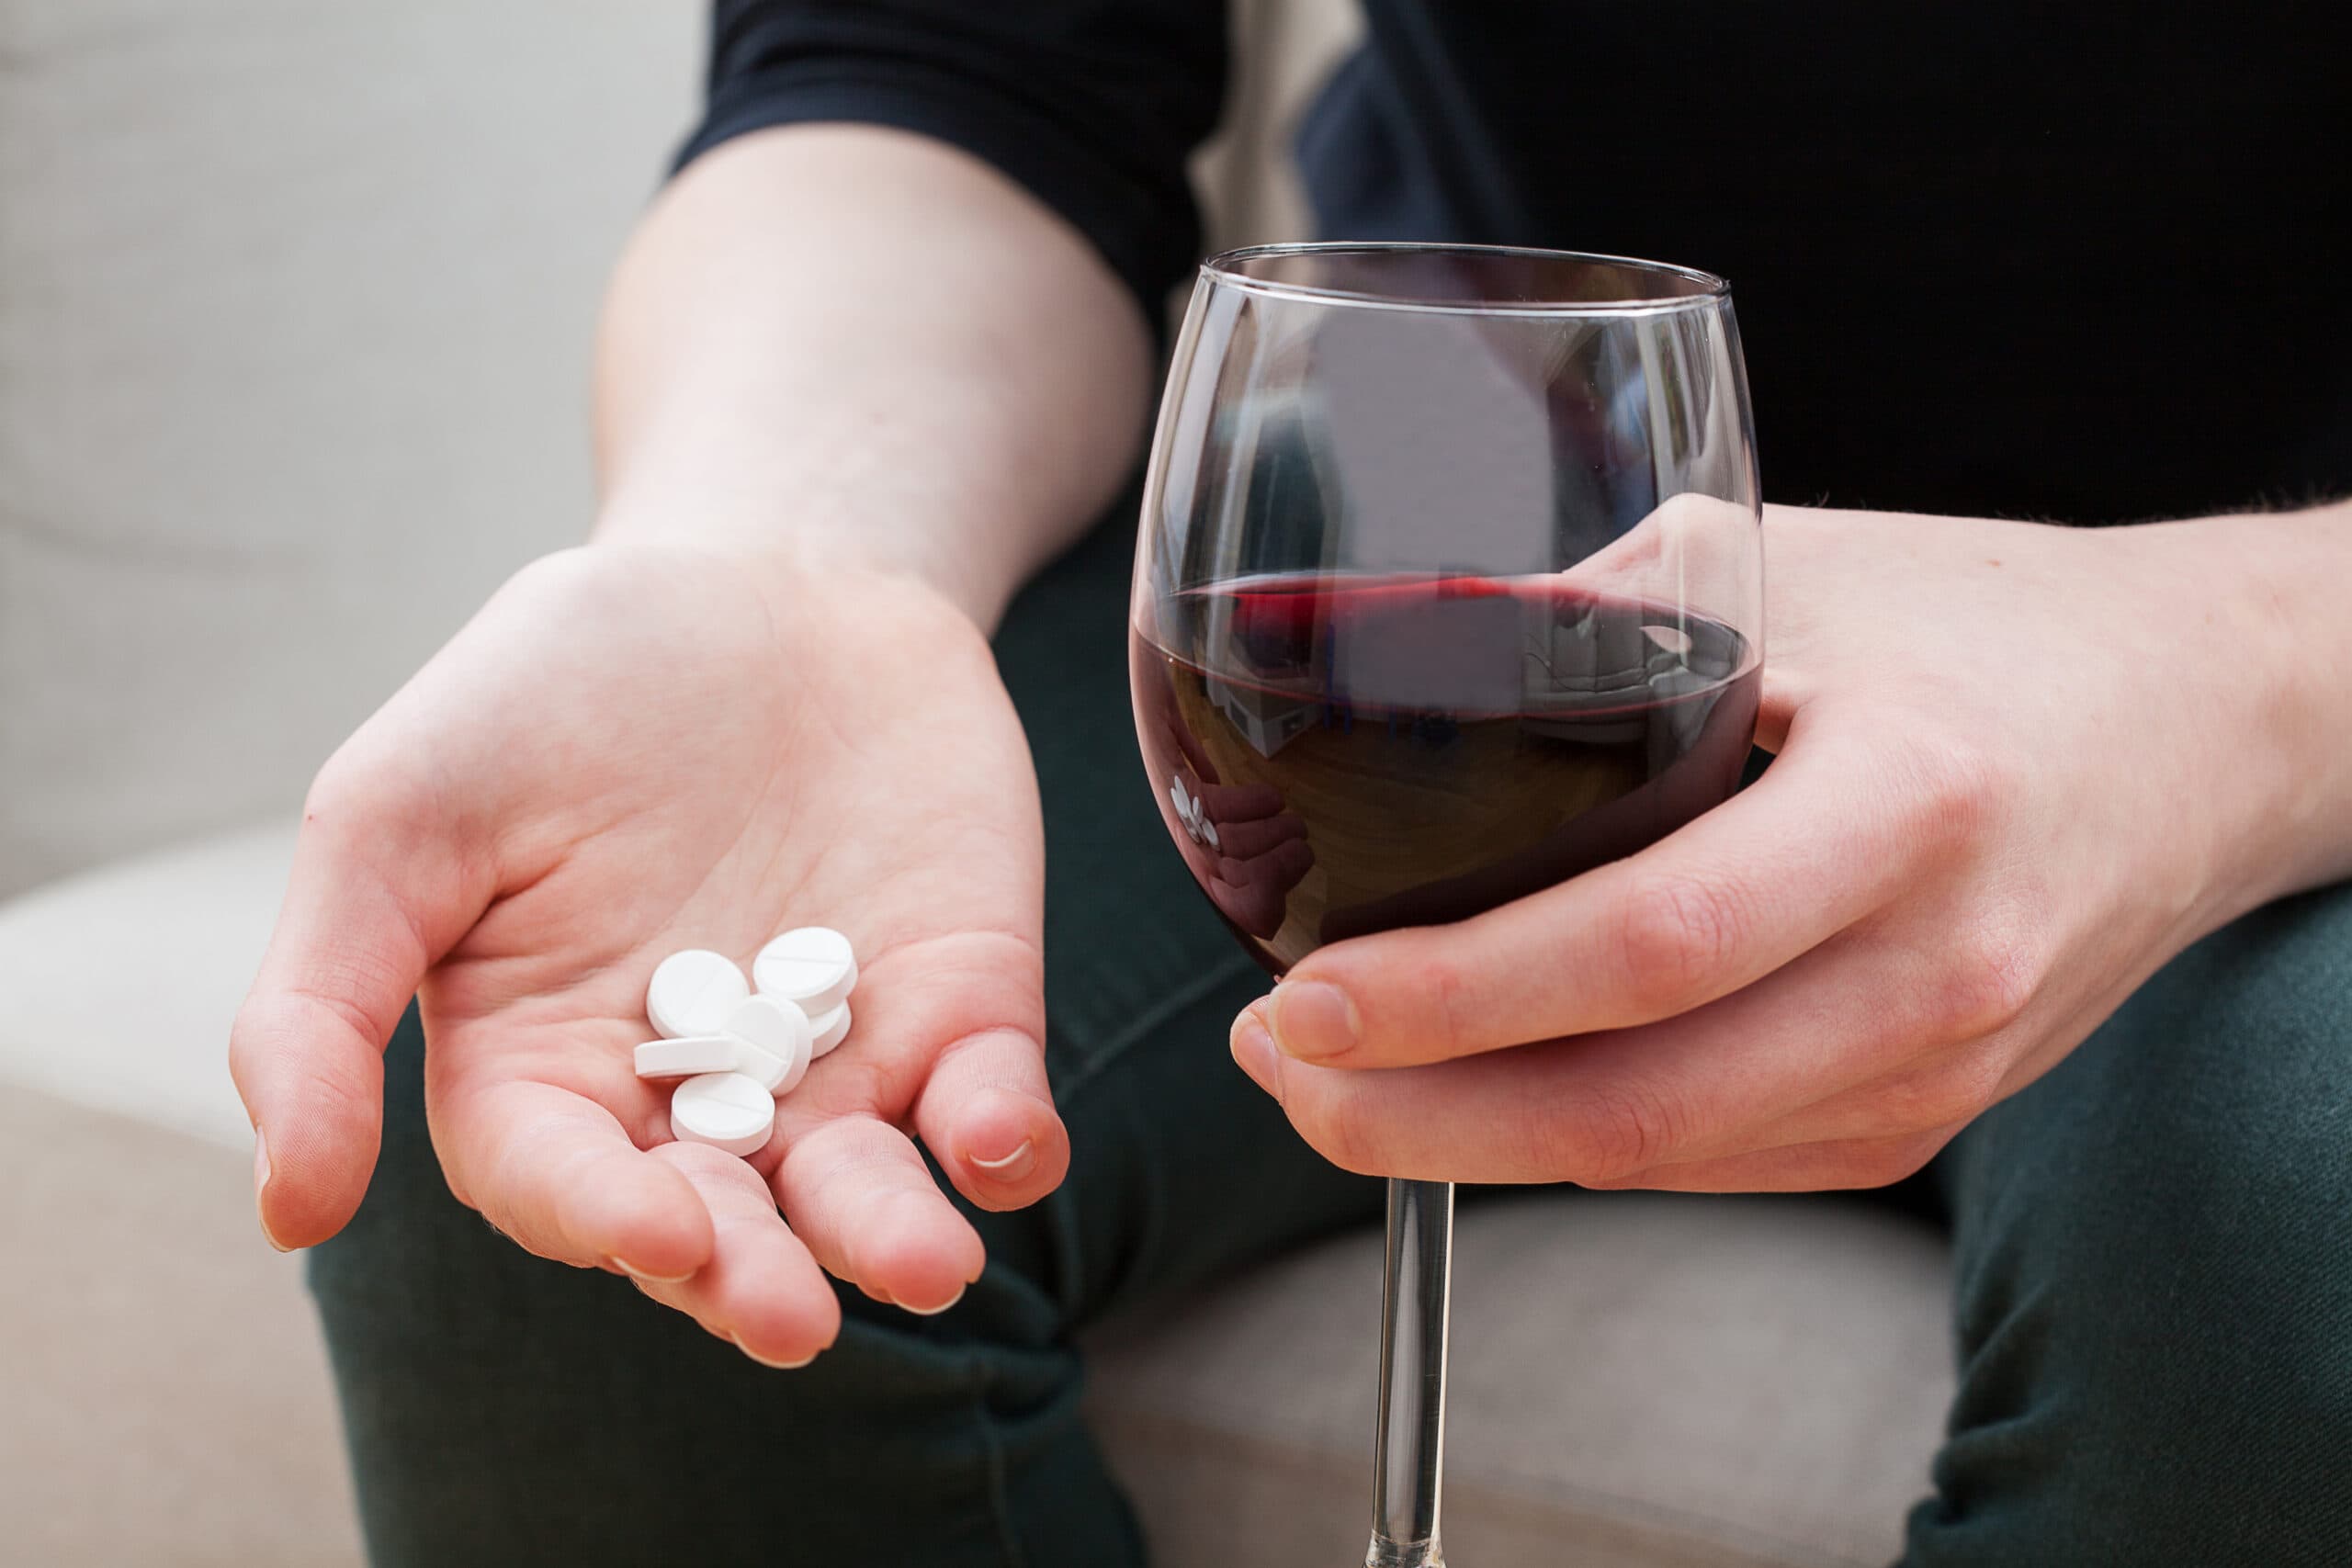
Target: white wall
294, 304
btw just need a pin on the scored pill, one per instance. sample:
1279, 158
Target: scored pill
772, 1041
727, 1111
684, 1059
693, 992
828, 1030
812, 967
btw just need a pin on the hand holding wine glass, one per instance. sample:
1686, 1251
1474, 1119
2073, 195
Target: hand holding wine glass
2013, 780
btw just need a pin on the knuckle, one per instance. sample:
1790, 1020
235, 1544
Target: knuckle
1452, 1006
341, 783
356, 794
1611, 1134
1678, 932
1884, 1164
1964, 789
1944, 1094
1988, 978
1344, 1129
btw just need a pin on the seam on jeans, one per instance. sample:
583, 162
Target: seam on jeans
1173, 1002
1000, 1476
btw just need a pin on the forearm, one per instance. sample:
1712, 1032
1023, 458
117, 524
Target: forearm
846, 345
2273, 638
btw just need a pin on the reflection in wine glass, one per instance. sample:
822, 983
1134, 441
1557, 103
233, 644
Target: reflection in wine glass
1244, 849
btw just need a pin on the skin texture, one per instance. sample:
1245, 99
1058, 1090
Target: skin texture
762, 697
2018, 768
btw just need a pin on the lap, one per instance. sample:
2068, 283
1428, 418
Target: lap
2153, 1298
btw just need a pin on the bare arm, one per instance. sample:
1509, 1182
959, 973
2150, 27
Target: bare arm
861, 347
853, 388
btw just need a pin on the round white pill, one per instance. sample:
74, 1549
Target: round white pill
693, 992
812, 967
773, 1042
726, 1110
829, 1029
684, 1059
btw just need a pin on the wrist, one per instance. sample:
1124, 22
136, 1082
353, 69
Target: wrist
813, 551
2264, 627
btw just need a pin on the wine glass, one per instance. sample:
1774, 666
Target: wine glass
1449, 587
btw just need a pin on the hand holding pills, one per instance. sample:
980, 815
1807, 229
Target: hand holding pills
529, 829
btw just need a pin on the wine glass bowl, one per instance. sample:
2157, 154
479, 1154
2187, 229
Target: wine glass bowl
1449, 587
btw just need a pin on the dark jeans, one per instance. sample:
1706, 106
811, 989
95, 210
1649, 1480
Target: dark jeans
2153, 1247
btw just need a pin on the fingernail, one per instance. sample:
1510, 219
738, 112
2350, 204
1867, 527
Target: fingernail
934, 1311
649, 1276
779, 1366
1012, 1165
261, 1184
1313, 1019
1253, 1048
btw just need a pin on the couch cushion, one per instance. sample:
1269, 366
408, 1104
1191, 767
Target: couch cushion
1641, 1382
166, 1394
295, 312
121, 982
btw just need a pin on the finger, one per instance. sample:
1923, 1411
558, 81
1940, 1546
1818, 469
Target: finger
1831, 833
1239, 802
556, 1172
1517, 1116
859, 1195
1597, 1107
761, 1288
1659, 557
374, 899
987, 1115
1837, 1165
1248, 840
1885, 1031
1280, 867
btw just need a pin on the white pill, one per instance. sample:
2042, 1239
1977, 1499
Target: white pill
1178, 799
773, 1042
829, 1029
726, 1110
812, 967
693, 992
1208, 831
684, 1059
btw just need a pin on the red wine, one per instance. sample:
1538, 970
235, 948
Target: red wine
1337, 755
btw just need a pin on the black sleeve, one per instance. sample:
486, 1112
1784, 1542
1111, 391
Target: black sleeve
1092, 105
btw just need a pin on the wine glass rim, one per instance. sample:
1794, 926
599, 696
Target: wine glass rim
1223, 270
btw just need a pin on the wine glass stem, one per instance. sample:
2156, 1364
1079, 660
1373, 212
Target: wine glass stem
1412, 1444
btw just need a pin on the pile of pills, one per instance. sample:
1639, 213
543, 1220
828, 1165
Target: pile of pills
738, 1044
1193, 815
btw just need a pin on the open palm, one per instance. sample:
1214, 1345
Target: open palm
630, 752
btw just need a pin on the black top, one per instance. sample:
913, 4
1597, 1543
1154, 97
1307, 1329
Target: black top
1990, 256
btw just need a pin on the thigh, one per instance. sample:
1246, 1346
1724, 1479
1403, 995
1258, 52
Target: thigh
503, 1408
2154, 1277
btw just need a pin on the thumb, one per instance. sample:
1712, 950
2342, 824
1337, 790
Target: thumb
377, 894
